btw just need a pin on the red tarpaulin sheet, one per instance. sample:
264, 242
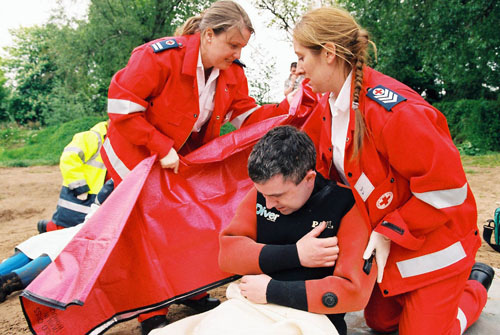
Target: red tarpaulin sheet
154, 240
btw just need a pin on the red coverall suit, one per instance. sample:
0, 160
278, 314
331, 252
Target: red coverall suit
409, 183
153, 104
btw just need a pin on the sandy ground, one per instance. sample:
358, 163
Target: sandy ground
30, 194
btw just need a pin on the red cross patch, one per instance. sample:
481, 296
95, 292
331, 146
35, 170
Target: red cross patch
170, 42
385, 200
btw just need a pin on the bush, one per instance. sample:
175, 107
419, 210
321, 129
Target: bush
474, 124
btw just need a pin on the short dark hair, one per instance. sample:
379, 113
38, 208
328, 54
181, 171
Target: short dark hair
283, 150
294, 64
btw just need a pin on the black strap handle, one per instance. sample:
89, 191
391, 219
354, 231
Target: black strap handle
487, 232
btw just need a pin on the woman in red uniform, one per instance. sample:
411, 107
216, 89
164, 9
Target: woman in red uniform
176, 92
395, 151
174, 95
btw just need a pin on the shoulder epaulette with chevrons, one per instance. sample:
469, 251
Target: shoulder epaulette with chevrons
166, 44
385, 97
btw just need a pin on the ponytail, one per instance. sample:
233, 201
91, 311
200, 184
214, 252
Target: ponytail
220, 17
191, 26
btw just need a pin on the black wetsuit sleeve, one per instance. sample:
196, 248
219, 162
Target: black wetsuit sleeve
274, 258
287, 293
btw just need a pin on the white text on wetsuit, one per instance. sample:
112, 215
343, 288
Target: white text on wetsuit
262, 211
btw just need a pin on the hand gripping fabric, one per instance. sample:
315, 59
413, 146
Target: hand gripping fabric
152, 242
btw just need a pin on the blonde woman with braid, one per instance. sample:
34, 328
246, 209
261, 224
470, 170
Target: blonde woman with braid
394, 150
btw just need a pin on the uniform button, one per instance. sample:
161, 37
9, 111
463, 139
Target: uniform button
349, 174
195, 115
392, 180
347, 139
386, 292
324, 118
475, 233
329, 299
225, 89
330, 149
151, 103
217, 117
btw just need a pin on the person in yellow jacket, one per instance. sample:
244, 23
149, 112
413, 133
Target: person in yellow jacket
83, 175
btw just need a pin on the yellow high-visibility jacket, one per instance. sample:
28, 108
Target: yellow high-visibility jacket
81, 164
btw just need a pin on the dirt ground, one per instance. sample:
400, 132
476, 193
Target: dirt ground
30, 194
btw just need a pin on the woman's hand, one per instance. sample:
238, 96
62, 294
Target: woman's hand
254, 288
380, 245
170, 161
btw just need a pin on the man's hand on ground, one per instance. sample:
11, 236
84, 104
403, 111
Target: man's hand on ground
254, 287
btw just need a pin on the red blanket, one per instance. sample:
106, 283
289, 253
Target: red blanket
154, 240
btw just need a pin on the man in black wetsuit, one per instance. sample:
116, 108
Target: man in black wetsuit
287, 232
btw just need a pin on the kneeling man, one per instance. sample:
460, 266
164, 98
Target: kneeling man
298, 238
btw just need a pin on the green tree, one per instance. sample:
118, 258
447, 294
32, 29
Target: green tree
62, 70
4, 95
286, 13
101, 45
442, 49
260, 76
33, 70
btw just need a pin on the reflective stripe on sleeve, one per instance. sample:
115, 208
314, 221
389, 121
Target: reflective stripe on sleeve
119, 106
93, 160
96, 164
72, 206
238, 121
444, 198
431, 262
462, 319
116, 163
77, 184
76, 150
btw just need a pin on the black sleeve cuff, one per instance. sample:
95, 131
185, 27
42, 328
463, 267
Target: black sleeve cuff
287, 293
81, 189
275, 258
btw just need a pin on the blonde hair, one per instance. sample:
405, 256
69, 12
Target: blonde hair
335, 25
220, 17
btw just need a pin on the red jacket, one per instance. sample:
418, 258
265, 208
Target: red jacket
153, 103
414, 186
240, 253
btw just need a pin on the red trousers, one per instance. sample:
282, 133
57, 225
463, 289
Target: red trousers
447, 307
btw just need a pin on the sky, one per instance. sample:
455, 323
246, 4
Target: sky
266, 43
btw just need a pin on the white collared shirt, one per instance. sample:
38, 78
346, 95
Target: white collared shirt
206, 93
339, 107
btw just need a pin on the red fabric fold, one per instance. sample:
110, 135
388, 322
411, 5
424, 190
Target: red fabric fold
154, 240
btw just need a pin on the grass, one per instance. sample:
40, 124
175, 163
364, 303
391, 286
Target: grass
491, 159
20, 147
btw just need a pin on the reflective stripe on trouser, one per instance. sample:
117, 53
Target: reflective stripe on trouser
446, 308
70, 210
